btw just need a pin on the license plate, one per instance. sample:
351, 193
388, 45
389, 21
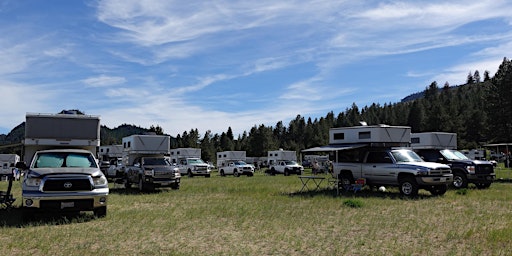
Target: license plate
67, 205
442, 179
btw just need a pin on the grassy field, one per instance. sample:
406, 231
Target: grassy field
265, 215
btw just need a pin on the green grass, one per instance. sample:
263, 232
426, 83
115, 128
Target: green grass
265, 215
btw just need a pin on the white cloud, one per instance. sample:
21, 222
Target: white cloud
104, 81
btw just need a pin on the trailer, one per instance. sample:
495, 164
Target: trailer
109, 152
225, 156
181, 153
276, 155
7, 163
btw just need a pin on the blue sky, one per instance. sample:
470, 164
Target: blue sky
216, 64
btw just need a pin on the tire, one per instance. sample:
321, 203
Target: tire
438, 190
408, 187
175, 186
142, 186
273, 171
236, 174
100, 212
345, 180
189, 174
286, 172
207, 176
459, 180
27, 214
482, 185
127, 184
222, 173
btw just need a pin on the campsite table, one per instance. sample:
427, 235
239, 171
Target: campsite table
317, 180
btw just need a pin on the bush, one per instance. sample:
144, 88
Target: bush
354, 203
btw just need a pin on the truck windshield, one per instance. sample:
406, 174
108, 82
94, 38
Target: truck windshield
63, 159
290, 162
406, 156
155, 161
195, 161
240, 163
453, 155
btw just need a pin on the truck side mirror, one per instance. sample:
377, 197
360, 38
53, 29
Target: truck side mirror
21, 165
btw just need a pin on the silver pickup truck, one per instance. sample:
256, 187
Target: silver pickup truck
64, 180
391, 167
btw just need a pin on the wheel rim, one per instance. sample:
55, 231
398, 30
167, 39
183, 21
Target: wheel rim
407, 188
457, 181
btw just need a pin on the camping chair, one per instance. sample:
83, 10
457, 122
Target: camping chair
358, 186
6, 197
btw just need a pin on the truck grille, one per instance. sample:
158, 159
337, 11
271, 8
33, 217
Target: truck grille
64, 184
440, 171
484, 169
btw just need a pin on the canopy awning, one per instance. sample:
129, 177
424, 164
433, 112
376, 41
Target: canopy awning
330, 148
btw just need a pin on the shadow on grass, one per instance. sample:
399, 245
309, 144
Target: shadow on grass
13, 217
365, 193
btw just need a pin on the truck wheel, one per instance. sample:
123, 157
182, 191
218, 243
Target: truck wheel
222, 173
236, 174
127, 184
273, 171
141, 184
345, 180
460, 180
100, 212
438, 190
207, 176
286, 172
189, 174
408, 187
175, 186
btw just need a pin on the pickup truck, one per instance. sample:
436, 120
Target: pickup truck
64, 180
286, 167
115, 170
194, 167
402, 168
237, 168
465, 171
150, 172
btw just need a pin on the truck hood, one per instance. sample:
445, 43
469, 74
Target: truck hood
47, 171
430, 165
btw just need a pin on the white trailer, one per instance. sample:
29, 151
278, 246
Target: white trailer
225, 156
109, 152
375, 134
183, 153
7, 163
276, 155
434, 140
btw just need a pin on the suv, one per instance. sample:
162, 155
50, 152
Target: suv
465, 171
391, 167
237, 168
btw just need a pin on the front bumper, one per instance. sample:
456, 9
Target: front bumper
435, 180
482, 178
73, 201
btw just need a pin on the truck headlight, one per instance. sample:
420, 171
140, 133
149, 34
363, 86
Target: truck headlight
471, 169
423, 172
149, 172
32, 181
100, 180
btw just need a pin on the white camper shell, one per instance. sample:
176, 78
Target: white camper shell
109, 152
7, 163
50, 131
276, 155
189, 162
225, 156
380, 134
182, 153
434, 140
136, 145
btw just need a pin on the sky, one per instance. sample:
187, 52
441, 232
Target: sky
210, 65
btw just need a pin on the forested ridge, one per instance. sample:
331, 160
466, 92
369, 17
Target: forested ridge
479, 111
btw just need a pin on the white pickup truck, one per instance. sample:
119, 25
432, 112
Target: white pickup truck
237, 168
286, 167
193, 166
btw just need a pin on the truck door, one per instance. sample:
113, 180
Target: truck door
379, 168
